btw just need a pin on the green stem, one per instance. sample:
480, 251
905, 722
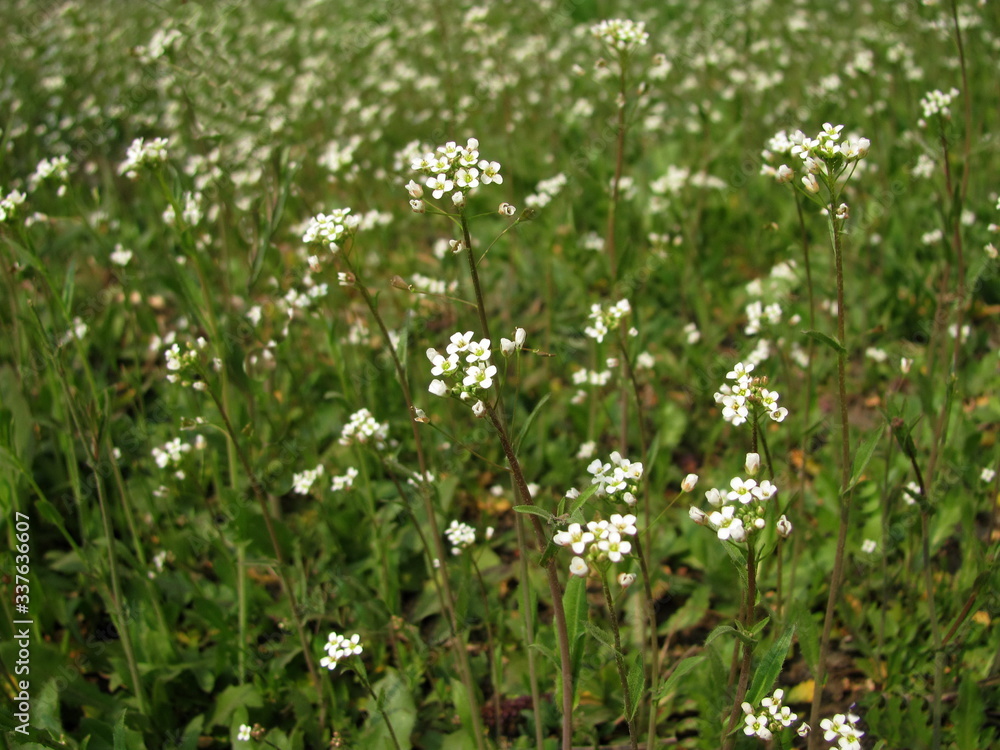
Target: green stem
279, 557
457, 640
555, 588
529, 633
620, 662
748, 622
845, 475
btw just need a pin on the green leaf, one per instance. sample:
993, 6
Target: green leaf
394, 697
680, 671
119, 732
770, 667
970, 714
808, 637
584, 497
529, 421
600, 634
534, 510
232, 698
636, 683
575, 607
863, 456
721, 630
825, 338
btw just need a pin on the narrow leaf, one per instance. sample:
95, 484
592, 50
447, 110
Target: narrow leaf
770, 667
636, 683
529, 421
827, 339
864, 455
534, 510
679, 673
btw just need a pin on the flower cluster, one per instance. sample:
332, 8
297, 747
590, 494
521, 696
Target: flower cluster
619, 477
9, 205
826, 155
142, 154
605, 320
740, 509
171, 454
339, 647
451, 169
331, 229
737, 399
303, 481
57, 168
362, 428
773, 717
843, 729
601, 541
460, 535
621, 34
469, 360
185, 365
937, 103
344, 481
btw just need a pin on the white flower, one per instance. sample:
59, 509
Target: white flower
868, 546
440, 185
578, 567
438, 387
726, 525
490, 172
575, 537
244, 734
689, 482
697, 515
120, 256
481, 377
625, 580
623, 524
614, 547
987, 474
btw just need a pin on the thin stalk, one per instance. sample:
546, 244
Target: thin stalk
529, 634
801, 499
555, 588
654, 643
491, 648
116, 593
748, 622
458, 642
620, 661
845, 475
279, 556
474, 273
609, 236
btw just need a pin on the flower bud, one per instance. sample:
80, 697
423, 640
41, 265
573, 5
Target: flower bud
752, 463
479, 409
415, 190
625, 580
438, 387
698, 515
506, 347
418, 206
689, 482
519, 337
506, 209
784, 527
